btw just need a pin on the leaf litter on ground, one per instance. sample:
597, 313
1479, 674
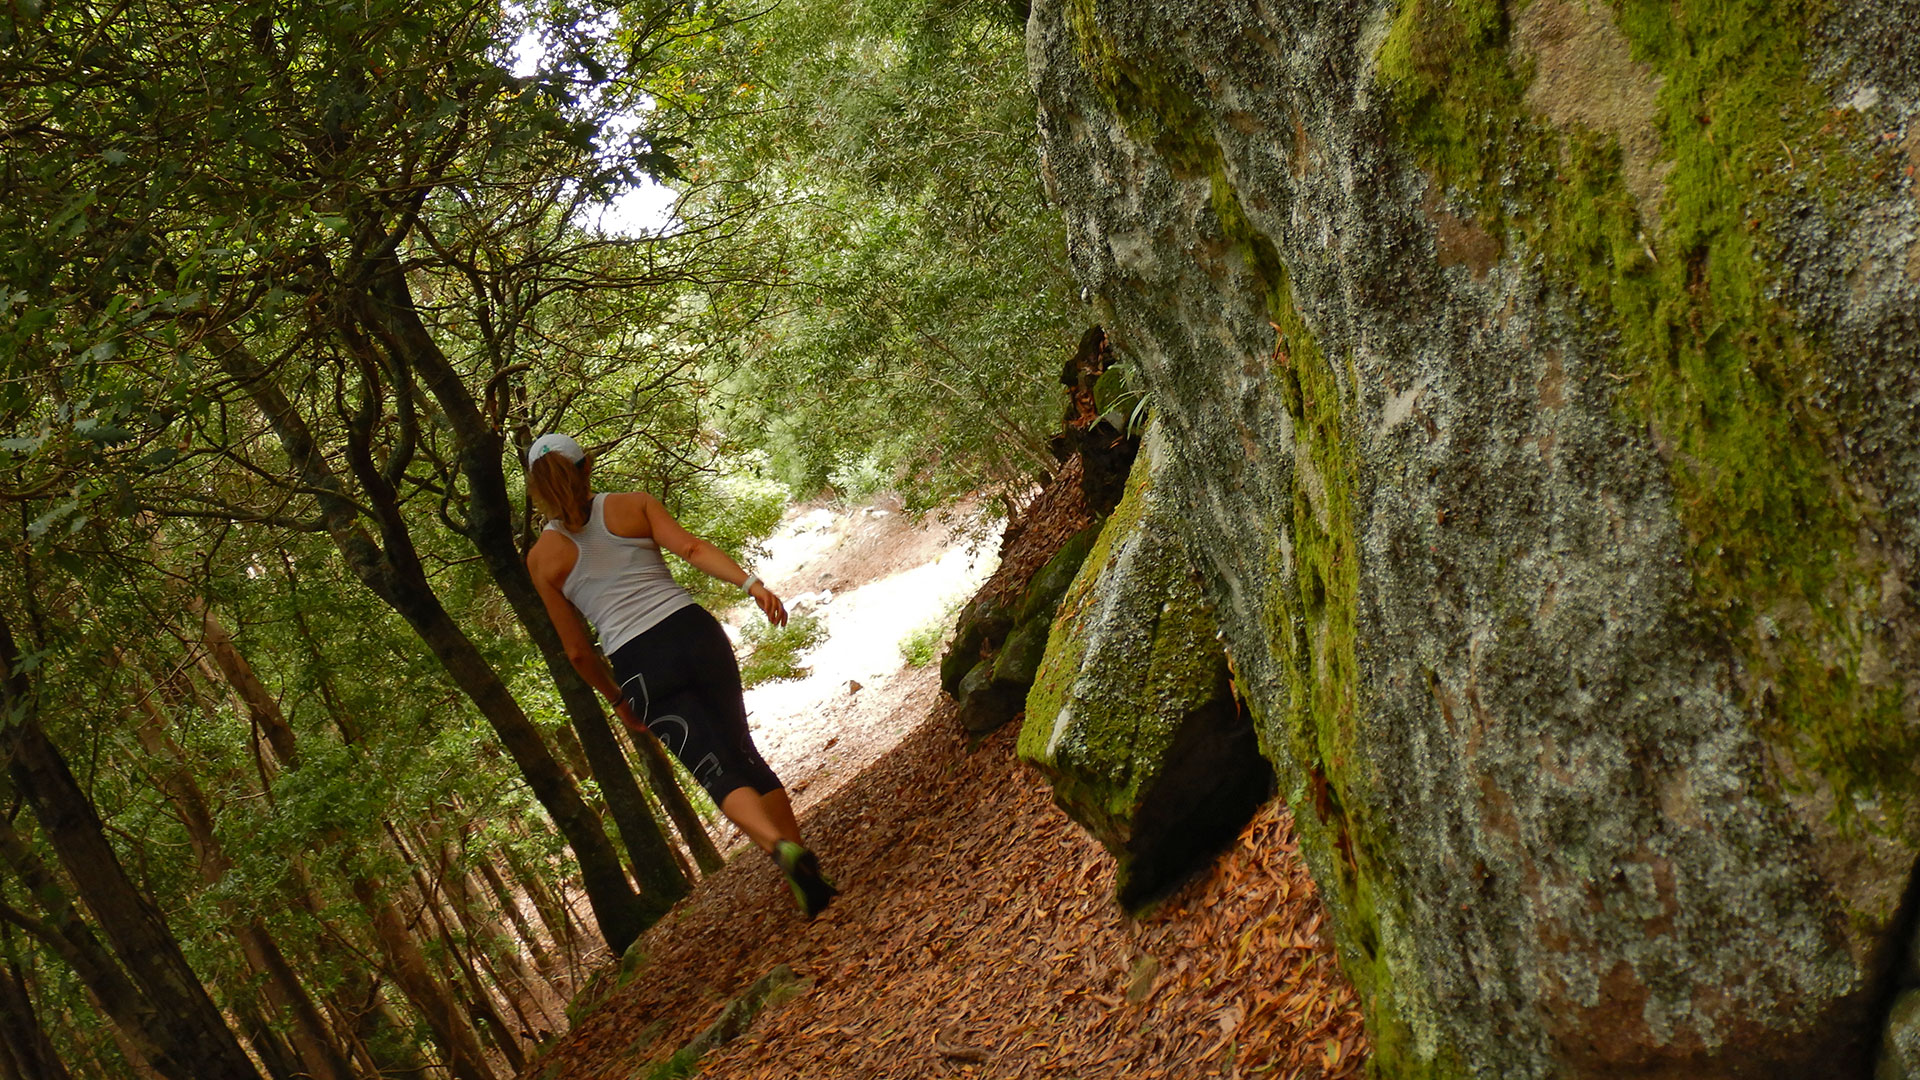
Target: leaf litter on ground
976, 936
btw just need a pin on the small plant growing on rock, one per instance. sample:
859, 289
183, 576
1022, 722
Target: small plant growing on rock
922, 646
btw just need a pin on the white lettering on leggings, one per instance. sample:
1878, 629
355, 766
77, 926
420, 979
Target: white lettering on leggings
657, 723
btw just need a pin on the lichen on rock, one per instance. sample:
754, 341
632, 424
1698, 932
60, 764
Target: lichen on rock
1540, 387
1132, 714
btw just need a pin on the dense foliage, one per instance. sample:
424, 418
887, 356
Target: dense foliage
895, 141
298, 780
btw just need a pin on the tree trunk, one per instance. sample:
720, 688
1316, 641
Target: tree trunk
552, 910
366, 1022
458, 959
25, 1051
543, 958
319, 1057
489, 526
136, 1024
138, 933
494, 944
261, 706
409, 968
269, 1047
666, 784
395, 575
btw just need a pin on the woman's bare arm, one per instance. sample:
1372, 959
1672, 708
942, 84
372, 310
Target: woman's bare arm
581, 653
670, 535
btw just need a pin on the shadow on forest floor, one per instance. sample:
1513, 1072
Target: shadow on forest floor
976, 936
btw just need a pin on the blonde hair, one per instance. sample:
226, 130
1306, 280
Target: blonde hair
559, 488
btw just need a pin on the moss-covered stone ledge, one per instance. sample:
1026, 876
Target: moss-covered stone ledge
1132, 714
992, 689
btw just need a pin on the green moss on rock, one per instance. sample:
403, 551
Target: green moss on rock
1050, 582
1132, 714
1707, 357
982, 624
1547, 541
1019, 656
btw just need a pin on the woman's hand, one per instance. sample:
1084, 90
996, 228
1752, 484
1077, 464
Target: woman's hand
625, 712
776, 611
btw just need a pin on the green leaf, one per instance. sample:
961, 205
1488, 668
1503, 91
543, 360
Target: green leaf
94, 429
39, 526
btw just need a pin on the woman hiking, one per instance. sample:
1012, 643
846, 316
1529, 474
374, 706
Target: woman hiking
673, 671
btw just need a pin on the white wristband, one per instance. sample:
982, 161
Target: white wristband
747, 585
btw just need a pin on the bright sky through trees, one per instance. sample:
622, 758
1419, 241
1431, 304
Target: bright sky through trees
646, 209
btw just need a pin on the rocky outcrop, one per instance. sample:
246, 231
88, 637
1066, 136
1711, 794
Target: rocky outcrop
1540, 385
1002, 632
1133, 715
1011, 632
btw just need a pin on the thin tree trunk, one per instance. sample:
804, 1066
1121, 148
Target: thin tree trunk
552, 910
543, 959
395, 575
409, 968
478, 450
320, 1058
28, 1053
268, 716
261, 706
135, 1023
141, 1067
666, 784
135, 928
367, 1022
457, 958
269, 1048
494, 944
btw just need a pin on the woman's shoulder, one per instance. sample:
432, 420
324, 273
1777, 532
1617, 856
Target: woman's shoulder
627, 513
552, 550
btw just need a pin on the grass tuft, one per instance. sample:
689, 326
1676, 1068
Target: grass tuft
773, 652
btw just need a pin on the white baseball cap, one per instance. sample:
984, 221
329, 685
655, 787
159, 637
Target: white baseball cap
555, 443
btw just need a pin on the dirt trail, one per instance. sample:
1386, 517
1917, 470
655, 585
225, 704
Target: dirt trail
872, 576
976, 935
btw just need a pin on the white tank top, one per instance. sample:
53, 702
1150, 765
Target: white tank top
620, 583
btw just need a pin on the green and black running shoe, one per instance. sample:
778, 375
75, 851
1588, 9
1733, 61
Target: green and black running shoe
812, 892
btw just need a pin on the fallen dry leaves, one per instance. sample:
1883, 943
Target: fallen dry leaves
977, 937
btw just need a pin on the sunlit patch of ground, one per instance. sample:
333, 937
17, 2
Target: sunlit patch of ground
873, 577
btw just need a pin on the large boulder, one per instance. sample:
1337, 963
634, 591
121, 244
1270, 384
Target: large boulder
1132, 714
1542, 391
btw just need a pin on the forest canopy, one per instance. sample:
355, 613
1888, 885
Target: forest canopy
292, 749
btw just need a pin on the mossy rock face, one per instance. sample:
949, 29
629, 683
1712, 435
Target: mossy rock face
1019, 657
1900, 1050
1132, 714
987, 703
1050, 582
1540, 385
961, 657
982, 625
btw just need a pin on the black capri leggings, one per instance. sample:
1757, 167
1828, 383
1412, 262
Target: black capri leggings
680, 679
